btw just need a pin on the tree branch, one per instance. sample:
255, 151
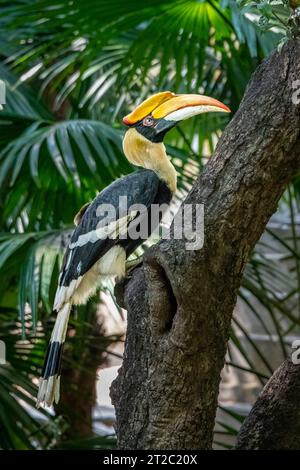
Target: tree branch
273, 422
180, 302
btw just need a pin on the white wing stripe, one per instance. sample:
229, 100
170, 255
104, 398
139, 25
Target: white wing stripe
113, 229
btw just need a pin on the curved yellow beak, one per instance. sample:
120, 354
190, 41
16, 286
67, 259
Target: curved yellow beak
166, 105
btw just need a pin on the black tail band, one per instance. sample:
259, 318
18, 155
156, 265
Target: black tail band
52, 364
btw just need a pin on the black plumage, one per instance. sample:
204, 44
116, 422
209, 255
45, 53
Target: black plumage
142, 187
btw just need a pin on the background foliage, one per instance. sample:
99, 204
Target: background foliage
72, 70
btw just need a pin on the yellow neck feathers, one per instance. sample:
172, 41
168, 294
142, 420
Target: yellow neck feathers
150, 155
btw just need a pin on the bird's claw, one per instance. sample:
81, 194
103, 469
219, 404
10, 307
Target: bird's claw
132, 265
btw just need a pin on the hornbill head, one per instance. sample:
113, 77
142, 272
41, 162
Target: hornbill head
155, 116
151, 120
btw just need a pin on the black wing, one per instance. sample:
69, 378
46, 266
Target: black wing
85, 246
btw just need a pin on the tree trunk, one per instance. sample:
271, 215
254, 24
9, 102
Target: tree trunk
180, 302
274, 422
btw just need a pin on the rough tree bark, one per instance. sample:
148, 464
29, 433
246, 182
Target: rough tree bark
273, 422
180, 302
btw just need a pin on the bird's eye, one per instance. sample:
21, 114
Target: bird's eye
148, 121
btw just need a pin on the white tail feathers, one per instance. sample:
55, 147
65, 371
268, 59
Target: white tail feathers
61, 324
49, 391
49, 384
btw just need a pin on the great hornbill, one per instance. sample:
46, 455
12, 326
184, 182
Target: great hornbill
98, 246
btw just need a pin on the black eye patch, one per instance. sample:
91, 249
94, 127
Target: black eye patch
155, 132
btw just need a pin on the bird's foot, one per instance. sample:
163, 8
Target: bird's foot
121, 282
132, 264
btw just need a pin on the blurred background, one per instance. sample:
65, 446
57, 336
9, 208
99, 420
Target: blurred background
72, 70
